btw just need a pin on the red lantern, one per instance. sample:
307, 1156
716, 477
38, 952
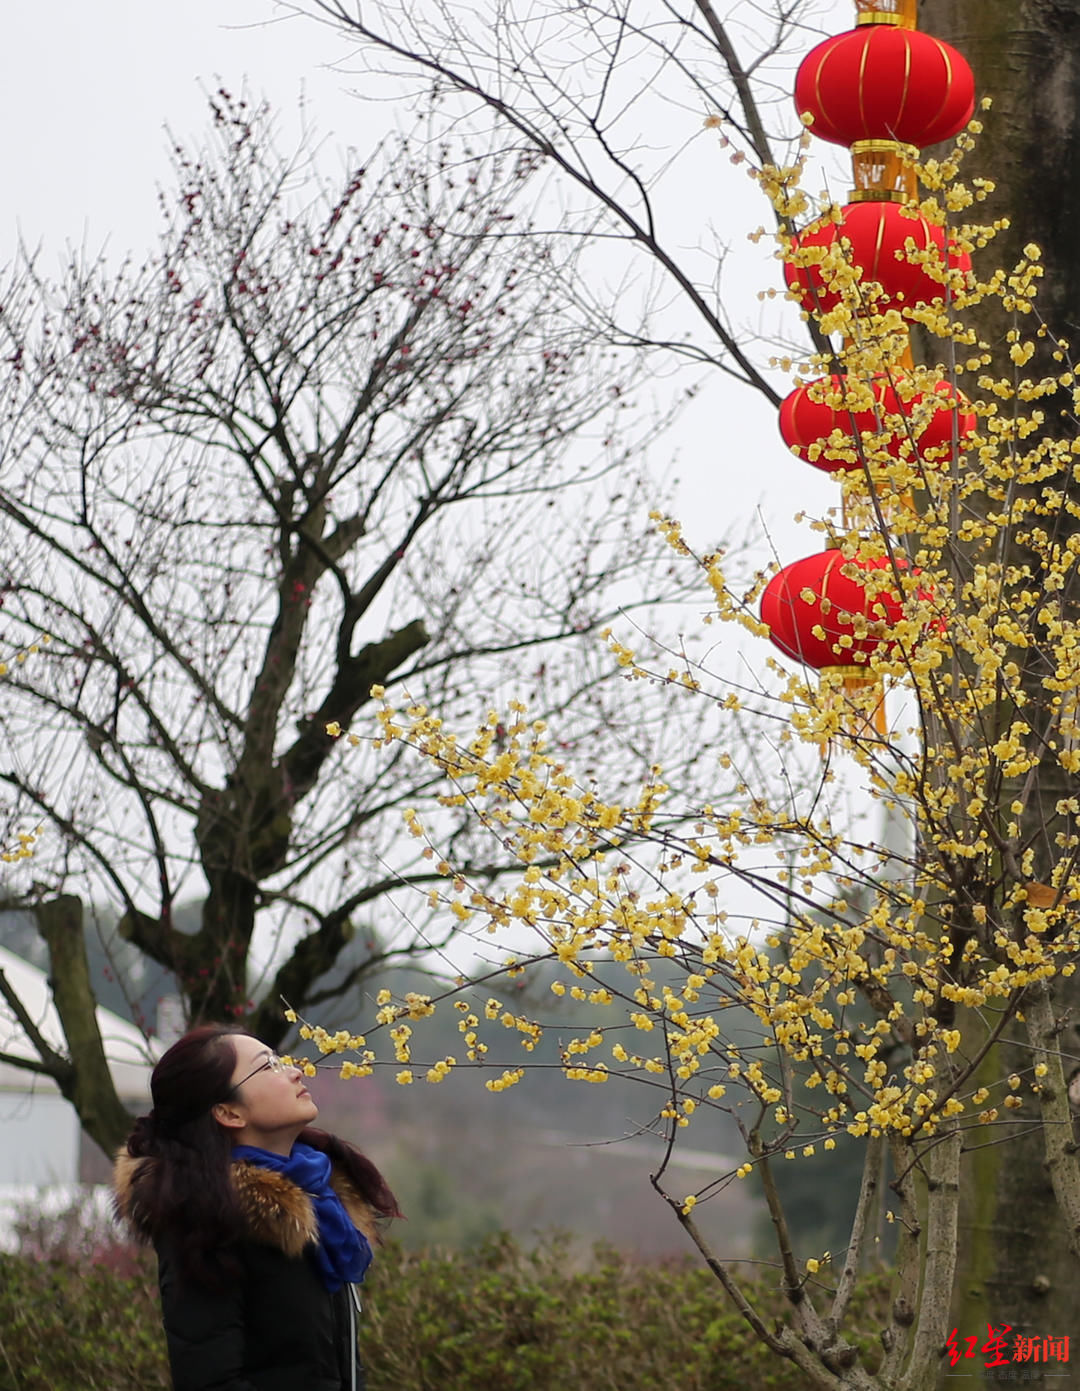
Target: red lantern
880, 82
816, 593
806, 419
877, 235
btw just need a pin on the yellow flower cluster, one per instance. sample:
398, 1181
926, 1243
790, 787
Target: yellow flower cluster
22, 849
863, 1000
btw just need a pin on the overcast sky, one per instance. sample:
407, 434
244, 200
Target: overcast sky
87, 89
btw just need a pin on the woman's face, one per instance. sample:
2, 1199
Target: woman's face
269, 1104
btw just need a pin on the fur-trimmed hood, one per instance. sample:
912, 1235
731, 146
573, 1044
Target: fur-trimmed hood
277, 1211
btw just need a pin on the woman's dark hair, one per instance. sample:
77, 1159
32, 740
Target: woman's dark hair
185, 1195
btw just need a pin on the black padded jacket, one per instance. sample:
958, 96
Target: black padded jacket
274, 1326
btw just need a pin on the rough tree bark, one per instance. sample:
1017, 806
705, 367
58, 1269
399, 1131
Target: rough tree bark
1026, 56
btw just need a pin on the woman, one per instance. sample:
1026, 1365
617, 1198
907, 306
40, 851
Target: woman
262, 1225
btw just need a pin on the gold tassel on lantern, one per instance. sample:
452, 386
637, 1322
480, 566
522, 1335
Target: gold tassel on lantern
858, 694
901, 12
883, 172
858, 513
894, 506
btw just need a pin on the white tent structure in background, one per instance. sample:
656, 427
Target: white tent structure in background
39, 1131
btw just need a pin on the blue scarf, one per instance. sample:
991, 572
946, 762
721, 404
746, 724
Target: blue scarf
343, 1253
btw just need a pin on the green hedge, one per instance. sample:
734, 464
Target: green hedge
498, 1317
67, 1326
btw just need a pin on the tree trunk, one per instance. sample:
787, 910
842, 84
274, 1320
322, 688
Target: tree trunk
88, 1083
1015, 1263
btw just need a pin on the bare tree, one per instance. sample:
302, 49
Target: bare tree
328, 437
609, 96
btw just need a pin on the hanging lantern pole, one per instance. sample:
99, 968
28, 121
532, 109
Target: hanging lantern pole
881, 89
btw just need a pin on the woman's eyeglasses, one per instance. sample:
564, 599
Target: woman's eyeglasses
272, 1064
